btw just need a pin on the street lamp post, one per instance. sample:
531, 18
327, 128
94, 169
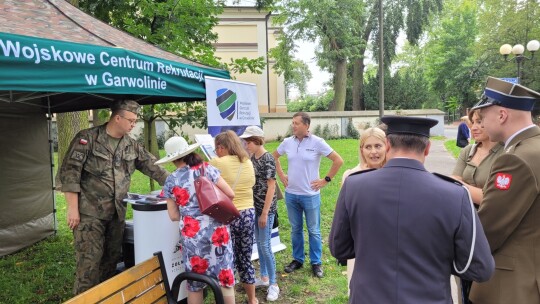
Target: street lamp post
517, 50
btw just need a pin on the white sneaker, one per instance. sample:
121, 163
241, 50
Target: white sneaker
273, 293
261, 283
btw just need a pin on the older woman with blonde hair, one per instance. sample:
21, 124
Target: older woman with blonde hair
372, 155
464, 133
371, 152
237, 169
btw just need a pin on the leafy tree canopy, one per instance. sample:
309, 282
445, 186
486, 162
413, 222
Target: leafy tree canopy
181, 27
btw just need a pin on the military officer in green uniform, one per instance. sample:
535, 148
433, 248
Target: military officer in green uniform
510, 209
95, 177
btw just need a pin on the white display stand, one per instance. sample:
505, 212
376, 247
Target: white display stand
154, 231
275, 242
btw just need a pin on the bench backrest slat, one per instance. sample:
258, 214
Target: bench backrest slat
150, 296
121, 284
136, 288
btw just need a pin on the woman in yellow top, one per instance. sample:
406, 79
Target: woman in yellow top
372, 155
236, 168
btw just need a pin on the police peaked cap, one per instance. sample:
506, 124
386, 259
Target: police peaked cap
409, 125
506, 94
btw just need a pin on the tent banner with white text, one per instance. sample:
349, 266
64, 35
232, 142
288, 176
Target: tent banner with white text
45, 65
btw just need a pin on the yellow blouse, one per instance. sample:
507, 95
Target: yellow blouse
243, 191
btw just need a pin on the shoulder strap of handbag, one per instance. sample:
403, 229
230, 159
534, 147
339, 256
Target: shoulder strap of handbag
201, 169
237, 176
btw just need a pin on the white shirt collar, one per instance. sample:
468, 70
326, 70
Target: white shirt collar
516, 134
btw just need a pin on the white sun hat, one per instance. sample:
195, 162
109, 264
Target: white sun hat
176, 147
252, 131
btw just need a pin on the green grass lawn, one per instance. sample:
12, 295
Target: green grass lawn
44, 272
450, 145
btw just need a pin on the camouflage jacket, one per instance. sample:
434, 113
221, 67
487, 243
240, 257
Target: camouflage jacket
101, 176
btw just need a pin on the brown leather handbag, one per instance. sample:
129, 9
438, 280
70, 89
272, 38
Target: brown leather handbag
212, 201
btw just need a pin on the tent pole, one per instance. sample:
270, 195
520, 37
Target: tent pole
51, 154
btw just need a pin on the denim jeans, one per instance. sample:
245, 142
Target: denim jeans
297, 206
264, 247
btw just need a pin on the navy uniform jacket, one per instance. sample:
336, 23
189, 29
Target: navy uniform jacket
405, 226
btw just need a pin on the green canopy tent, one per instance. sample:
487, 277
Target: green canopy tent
66, 76
51, 62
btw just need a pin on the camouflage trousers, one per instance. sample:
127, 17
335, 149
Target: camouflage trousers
98, 248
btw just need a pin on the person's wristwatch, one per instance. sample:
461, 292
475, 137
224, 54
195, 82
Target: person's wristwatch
327, 179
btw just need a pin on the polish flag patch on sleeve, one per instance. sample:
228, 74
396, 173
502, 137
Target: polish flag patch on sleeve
503, 181
83, 141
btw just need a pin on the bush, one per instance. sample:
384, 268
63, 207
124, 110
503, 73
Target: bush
317, 130
352, 131
311, 103
330, 131
327, 131
161, 139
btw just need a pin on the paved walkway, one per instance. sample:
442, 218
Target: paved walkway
441, 161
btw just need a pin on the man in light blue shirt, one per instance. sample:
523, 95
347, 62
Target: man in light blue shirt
302, 188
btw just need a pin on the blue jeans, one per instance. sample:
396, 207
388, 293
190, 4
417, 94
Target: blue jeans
297, 206
264, 247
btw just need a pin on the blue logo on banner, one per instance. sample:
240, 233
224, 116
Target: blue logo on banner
511, 80
226, 102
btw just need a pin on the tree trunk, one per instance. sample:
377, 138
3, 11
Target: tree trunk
358, 65
150, 138
358, 85
340, 85
68, 125
97, 119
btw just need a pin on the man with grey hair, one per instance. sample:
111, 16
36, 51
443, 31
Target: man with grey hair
95, 177
408, 229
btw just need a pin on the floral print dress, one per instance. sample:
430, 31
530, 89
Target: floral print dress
206, 243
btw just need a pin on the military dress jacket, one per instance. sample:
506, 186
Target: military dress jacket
405, 227
510, 214
102, 176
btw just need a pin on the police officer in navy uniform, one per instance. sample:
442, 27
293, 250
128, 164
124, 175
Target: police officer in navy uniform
408, 229
510, 209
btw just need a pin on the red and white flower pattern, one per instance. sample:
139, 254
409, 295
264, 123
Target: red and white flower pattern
181, 196
191, 226
206, 244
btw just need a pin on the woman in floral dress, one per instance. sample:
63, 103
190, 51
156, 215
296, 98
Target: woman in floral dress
206, 243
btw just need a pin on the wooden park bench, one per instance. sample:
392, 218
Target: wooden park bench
145, 282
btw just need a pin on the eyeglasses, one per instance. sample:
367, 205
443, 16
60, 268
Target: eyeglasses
131, 121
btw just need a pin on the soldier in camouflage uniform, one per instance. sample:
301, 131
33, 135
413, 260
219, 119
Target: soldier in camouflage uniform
95, 177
